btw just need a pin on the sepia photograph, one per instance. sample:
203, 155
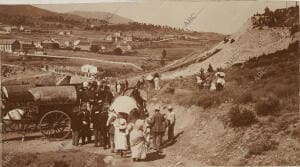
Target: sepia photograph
149, 83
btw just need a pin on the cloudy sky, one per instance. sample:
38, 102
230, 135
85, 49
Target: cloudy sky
211, 16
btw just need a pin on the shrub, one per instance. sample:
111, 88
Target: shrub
267, 106
118, 51
238, 117
284, 90
169, 90
262, 145
208, 100
245, 98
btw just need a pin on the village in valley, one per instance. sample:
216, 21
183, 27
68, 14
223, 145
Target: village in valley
94, 85
137, 46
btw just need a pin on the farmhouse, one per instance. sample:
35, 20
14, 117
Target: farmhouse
9, 45
89, 69
101, 46
128, 38
5, 29
49, 44
27, 45
124, 47
83, 45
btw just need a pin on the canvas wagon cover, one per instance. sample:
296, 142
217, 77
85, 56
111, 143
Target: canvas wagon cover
17, 93
54, 95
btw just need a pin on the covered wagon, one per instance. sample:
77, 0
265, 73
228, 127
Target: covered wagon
48, 106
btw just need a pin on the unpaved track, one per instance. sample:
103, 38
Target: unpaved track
173, 154
89, 59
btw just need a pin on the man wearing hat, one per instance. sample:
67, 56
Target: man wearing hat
96, 120
158, 128
171, 123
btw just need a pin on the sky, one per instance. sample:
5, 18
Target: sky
224, 17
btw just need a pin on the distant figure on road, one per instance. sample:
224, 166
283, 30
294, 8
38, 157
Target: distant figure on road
220, 80
156, 81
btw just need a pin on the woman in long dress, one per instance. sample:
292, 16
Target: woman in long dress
120, 135
138, 141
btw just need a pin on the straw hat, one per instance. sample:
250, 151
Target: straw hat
157, 108
85, 84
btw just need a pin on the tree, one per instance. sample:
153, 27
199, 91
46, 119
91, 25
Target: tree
94, 48
267, 11
118, 51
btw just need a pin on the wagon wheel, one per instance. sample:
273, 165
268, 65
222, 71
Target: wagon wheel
55, 125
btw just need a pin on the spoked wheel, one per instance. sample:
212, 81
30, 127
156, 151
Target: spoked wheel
55, 125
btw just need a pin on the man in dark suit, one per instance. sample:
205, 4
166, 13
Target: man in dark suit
158, 128
103, 128
76, 125
85, 130
96, 120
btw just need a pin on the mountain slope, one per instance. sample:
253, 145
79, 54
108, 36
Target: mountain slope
110, 17
31, 15
24, 10
246, 43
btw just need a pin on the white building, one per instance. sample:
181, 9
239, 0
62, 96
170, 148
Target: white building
89, 69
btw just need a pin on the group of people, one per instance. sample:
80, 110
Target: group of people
152, 79
121, 85
120, 132
140, 135
212, 81
95, 97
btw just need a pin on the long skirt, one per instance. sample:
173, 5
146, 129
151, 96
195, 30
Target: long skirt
138, 145
120, 140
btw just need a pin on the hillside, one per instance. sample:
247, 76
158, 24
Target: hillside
24, 10
250, 41
267, 131
34, 16
110, 17
246, 44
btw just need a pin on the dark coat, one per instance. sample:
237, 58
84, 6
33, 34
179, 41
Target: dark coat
99, 118
158, 122
76, 120
95, 116
86, 95
86, 118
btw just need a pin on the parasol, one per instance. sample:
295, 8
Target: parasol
149, 77
123, 104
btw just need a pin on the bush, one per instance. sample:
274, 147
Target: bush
238, 117
284, 90
118, 51
245, 98
169, 90
209, 100
267, 106
262, 145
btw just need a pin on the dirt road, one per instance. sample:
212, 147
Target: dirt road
89, 59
